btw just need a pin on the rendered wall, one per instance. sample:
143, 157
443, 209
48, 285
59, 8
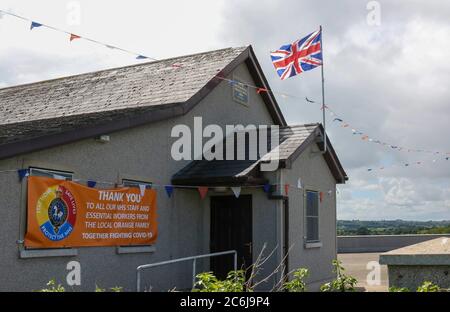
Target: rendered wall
142, 152
315, 175
381, 243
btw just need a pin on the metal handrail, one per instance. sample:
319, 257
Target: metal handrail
194, 258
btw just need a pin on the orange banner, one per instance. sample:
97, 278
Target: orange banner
67, 214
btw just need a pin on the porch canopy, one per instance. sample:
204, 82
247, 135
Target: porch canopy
293, 141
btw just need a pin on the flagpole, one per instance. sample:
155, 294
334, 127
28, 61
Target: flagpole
323, 96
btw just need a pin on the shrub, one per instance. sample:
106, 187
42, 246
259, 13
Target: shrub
398, 289
113, 289
342, 282
52, 287
428, 287
297, 284
208, 282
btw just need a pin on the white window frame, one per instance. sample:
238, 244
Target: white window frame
50, 173
131, 249
136, 183
307, 239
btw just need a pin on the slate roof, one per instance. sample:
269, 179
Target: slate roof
142, 85
294, 140
48, 113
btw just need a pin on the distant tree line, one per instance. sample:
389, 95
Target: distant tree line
392, 227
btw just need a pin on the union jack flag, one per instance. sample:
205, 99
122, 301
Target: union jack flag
302, 55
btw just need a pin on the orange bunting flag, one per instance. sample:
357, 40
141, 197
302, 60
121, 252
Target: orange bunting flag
345, 125
259, 90
286, 189
365, 137
203, 190
321, 196
73, 37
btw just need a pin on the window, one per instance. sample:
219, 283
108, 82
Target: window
139, 248
136, 183
55, 174
312, 216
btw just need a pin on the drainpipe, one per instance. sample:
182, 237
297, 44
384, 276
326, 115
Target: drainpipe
283, 206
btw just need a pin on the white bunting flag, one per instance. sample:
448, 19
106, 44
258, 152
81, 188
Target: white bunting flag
299, 183
236, 190
142, 188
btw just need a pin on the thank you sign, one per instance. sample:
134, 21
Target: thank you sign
67, 214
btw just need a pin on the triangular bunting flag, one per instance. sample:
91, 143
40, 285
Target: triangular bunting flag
259, 90
34, 25
169, 190
236, 191
299, 183
203, 190
266, 188
142, 188
73, 37
23, 173
91, 183
141, 57
286, 189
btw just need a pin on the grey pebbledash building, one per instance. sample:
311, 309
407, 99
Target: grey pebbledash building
115, 126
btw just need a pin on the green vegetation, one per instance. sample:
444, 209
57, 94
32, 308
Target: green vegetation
425, 287
52, 287
428, 287
297, 284
391, 227
208, 282
398, 289
342, 282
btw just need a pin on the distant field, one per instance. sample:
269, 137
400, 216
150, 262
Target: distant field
392, 227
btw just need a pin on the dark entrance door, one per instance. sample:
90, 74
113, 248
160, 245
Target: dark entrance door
231, 228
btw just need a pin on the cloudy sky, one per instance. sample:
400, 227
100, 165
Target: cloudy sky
386, 69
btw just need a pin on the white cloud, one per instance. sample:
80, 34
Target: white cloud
390, 81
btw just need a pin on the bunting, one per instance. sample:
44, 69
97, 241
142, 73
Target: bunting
169, 190
73, 37
91, 183
142, 188
23, 173
203, 190
236, 191
259, 90
34, 24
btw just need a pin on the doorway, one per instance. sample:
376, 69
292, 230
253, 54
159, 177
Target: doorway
231, 229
